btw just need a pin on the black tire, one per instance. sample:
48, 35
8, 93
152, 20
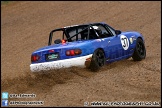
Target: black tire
98, 60
140, 51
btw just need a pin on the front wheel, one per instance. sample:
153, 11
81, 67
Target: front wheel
140, 51
98, 60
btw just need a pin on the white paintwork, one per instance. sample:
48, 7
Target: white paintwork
124, 41
79, 62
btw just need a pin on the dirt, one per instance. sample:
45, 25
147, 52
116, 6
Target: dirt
25, 27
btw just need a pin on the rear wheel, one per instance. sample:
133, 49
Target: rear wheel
98, 60
140, 51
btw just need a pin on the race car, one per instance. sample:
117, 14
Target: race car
89, 46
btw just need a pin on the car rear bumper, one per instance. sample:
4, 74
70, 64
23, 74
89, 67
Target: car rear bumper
79, 62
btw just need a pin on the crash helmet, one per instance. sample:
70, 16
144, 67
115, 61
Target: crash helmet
98, 30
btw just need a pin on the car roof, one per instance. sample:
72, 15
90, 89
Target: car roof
84, 24
66, 27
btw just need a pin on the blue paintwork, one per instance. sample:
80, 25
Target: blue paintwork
111, 46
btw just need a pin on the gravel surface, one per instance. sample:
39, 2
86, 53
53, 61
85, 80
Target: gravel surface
25, 27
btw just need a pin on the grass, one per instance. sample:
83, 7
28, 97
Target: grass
5, 2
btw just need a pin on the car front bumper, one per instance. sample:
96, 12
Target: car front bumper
79, 62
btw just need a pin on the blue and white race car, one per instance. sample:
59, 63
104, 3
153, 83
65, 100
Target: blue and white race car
87, 45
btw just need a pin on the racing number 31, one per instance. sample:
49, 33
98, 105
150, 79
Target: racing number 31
125, 42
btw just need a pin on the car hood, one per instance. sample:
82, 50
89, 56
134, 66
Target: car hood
132, 33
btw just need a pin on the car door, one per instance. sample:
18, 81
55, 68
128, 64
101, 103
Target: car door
117, 47
114, 48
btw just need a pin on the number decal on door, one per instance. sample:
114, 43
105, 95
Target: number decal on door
124, 41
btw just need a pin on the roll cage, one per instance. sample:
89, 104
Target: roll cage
86, 32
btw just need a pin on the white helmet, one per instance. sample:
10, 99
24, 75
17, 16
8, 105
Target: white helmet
98, 30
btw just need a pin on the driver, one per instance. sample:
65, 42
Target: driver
99, 32
97, 29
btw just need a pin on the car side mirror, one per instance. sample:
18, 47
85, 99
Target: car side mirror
117, 32
57, 41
